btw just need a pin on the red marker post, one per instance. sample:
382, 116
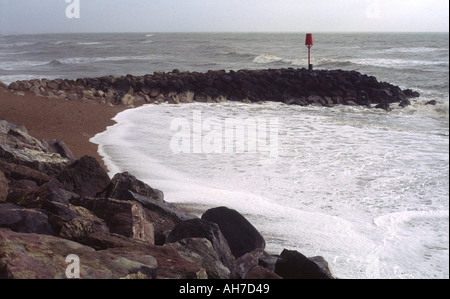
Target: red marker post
309, 43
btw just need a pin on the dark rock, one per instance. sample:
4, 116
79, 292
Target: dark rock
14, 86
18, 147
51, 192
246, 262
125, 218
3, 187
53, 85
13, 171
432, 103
405, 103
243, 85
259, 273
67, 221
21, 220
201, 252
384, 106
241, 235
164, 216
59, 147
123, 184
323, 264
32, 256
198, 228
411, 94
294, 265
85, 177
106, 240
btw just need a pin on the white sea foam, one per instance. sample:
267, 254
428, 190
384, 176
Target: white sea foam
350, 184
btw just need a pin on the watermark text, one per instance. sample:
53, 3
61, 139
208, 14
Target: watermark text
225, 136
73, 9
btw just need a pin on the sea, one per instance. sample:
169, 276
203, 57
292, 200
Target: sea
366, 189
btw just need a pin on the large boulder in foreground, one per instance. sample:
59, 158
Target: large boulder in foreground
241, 235
24, 220
124, 218
19, 148
85, 177
198, 228
201, 252
31, 256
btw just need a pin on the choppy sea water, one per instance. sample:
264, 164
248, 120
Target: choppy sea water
366, 189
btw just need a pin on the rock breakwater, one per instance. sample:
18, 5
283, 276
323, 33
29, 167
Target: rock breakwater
290, 86
54, 206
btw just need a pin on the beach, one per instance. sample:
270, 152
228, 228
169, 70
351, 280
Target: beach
361, 175
74, 122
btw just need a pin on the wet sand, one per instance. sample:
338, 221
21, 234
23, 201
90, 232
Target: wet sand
74, 122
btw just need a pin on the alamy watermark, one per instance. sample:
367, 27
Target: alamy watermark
373, 9
73, 9
73, 269
226, 136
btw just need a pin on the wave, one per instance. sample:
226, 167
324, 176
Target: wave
18, 45
412, 50
89, 43
410, 216
268, 58
342, 63
397, 63
238, 54
84, 60
440, 110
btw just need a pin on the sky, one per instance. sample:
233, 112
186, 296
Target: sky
69, 16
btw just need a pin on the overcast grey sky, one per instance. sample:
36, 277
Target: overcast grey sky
33, 16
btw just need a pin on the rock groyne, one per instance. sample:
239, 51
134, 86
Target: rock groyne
290, 86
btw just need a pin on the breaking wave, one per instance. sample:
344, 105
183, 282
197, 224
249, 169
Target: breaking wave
328, 62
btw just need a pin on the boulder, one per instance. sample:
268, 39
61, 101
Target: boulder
18, 147
123, 184
294, 265
199, 228
3, 187
241, 235
124, 218
14, 171
59, 147
384, 106
244, 263
32, 256
201, 252
85, 177
405, 103
66, 220
53, 85
22, 220
164, 216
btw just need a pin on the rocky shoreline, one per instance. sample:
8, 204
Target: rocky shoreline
54, 206
290, 86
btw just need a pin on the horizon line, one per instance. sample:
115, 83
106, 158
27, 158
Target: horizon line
204, 32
